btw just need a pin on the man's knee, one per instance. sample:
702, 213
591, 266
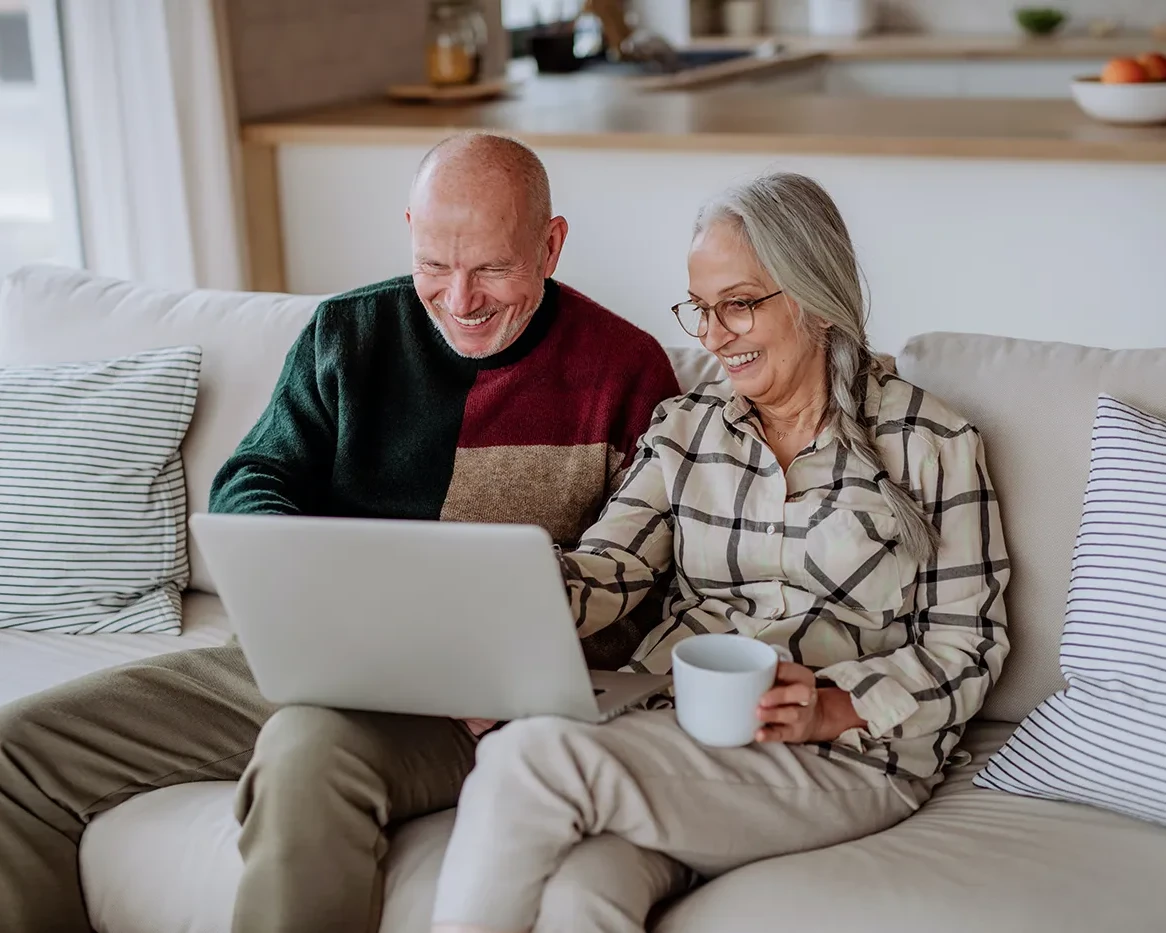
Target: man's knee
300, 753
302, 744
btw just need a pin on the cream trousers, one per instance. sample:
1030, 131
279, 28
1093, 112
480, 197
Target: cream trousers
613, 817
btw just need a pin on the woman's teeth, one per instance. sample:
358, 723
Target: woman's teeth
471, 321
742, 359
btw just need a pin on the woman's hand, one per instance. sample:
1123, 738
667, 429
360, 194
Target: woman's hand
796, 710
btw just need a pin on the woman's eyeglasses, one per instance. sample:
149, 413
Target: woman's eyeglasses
735, 315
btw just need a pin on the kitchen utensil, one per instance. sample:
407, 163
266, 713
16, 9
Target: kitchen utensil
741, 18
842, 18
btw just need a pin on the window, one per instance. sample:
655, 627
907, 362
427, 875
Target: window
38, 204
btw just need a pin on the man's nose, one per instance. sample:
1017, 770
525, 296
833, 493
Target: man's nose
463, 299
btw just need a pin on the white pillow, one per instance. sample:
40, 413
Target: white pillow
1102, 740
92, 493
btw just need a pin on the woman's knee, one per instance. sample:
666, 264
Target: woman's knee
608, 885
528, 740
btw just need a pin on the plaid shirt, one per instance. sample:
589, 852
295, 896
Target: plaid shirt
808, 558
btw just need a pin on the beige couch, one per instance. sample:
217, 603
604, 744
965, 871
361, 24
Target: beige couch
971, 861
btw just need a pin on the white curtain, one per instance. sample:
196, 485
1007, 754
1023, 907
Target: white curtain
155, 142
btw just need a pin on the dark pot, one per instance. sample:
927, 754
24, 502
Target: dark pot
555, 54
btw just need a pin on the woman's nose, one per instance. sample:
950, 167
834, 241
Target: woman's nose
716, 335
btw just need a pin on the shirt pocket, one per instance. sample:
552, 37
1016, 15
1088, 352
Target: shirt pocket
853, 558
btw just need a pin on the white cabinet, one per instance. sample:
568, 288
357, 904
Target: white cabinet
893, 79
1047, 78
938, 78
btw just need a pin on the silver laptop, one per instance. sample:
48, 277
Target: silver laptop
430, 618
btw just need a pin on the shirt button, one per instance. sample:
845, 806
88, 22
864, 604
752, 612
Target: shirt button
770, 530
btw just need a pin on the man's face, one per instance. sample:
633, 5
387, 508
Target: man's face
477, 271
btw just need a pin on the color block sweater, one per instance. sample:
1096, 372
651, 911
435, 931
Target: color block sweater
376, 416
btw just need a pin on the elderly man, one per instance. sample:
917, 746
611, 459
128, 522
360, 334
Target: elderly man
481, 389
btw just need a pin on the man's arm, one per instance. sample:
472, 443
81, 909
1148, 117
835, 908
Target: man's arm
283, 465
655, 382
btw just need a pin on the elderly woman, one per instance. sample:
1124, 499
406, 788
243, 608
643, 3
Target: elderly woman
814, 501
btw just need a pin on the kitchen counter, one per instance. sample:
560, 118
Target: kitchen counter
911, 47
943, 208
587, 111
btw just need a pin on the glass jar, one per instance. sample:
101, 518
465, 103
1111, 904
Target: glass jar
455, 42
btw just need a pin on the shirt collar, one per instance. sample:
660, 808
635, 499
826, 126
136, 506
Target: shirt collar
739, 409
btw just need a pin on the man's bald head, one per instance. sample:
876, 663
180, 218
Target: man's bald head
482, 164
484, 240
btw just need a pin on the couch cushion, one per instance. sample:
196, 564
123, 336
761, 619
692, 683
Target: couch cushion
970, 860
168, 862
50, 315
1034, 404
34, 661
693, 366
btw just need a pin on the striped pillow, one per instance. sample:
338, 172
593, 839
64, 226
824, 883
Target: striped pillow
92, 493
1102, 740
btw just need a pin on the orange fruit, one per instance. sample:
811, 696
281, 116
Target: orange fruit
1124, 71
1154, 64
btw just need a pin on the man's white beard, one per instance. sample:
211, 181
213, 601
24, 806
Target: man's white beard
504, 338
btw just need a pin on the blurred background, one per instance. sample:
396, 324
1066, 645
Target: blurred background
980, 151
37, 201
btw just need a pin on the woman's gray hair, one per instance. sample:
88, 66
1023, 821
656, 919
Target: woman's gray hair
798, 235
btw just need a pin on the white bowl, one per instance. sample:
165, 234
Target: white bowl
1134, 104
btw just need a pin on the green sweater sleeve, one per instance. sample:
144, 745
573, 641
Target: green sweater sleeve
283, 465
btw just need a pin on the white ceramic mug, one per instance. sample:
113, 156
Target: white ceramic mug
718, 681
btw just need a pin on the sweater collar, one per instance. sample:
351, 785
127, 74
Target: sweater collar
531, 336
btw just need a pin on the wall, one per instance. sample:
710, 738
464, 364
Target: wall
295, 54
1051, 251
979, 16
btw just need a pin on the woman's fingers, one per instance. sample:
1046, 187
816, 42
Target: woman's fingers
797, 694
782, 715
790, 734
795, 686
790, 673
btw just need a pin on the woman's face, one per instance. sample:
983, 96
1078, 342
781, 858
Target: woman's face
769, 362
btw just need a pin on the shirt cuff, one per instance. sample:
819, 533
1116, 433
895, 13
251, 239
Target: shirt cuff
878, 699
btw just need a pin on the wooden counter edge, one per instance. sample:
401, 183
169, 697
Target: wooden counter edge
887, 46
1052, 150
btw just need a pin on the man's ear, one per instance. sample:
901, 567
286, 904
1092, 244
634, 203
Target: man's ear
556, 236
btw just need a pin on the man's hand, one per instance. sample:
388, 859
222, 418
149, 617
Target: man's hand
796, 710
